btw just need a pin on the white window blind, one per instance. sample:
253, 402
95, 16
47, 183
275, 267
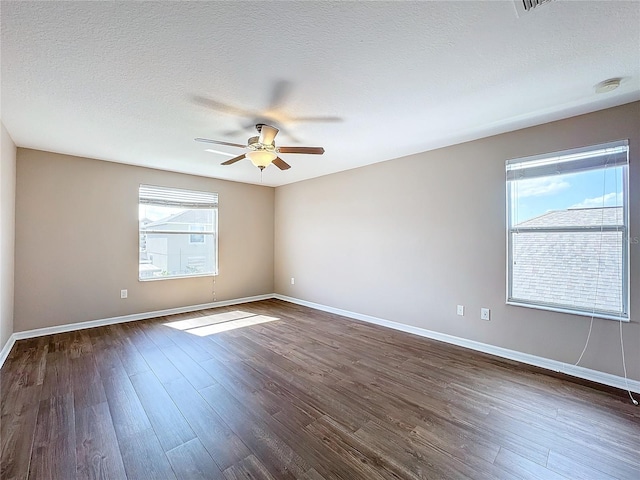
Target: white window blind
153, 195
568, 235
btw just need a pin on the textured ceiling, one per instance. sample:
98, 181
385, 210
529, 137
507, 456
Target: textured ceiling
135, 82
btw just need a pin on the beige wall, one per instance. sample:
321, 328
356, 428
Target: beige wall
7, 232
77, 241
409, 239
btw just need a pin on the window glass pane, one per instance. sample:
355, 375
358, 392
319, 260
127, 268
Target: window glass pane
533, 198
168, 249
580, 270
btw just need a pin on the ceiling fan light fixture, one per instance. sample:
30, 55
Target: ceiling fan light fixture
261, 158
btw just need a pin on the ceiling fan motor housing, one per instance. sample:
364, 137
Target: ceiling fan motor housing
254, 144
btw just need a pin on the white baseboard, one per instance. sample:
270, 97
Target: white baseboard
39, 332
4, 353
546, 363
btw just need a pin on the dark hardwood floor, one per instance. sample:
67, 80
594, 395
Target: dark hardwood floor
308, 395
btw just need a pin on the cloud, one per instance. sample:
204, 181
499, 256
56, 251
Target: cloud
613, 199
538, 187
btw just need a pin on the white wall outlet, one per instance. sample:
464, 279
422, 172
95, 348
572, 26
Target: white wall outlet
123, 293
460, 310
485, 314
293, 281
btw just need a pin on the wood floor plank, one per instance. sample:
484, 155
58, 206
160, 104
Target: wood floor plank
86, 382
16, 441
524, 468
105, 352
143, 457
289, 427
245, 384
577, 470
25, 367
320, 451
322, 399
249, 468
363, 461
276, 455
224, 446
192, 345
586, 449
311, 395
191, 370
167, 421
313, 475
451, 460
129, 355
79, 344
191, 460
57, 378
97, 451
54, 443
160, 364
127, 413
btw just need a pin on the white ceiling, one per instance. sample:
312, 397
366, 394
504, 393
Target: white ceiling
135, 82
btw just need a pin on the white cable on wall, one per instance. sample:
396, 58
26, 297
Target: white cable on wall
595, 300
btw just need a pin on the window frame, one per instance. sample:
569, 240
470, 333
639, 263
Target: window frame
188, 199
624, 230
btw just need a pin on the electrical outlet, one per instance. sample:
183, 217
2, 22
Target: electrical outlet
460, 310
485, 314
123, 293
293, 281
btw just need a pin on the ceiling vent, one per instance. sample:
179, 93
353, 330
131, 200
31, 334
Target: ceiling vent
529, 4
523, 6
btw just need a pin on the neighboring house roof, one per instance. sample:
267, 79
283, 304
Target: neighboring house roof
192, 216
577, 217
575, 269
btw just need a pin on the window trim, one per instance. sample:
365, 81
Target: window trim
191, 199
624, 229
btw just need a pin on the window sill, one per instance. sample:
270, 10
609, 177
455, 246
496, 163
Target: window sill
569, 311
177, 277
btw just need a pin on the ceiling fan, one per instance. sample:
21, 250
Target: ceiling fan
274, 113
262, 150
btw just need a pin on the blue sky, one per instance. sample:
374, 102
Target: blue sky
589, 189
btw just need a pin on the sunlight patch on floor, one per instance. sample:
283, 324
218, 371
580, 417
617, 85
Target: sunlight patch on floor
220, 322
208, 320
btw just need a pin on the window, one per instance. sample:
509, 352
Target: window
168, 247
568, 231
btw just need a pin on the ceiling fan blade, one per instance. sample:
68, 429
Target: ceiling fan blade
211, 150
218, 142
315, 119
281, 90
233, 160
307, 150
281, 164
222, 107
267, 134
